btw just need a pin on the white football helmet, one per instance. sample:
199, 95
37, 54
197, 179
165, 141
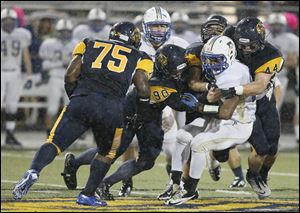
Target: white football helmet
180, 16
8, 20
8, 13
64, 29
64, 24
276, 18
96, 14
154, 17
217, 55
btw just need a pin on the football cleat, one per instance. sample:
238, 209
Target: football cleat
258, 185
69, 173
103, 192
166, 195
126, 189
89, 201
181, 196
22, 187
11, 140
238, 183
215, 173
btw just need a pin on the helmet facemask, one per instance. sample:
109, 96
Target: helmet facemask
9, 24
157, 32
210, 29
213, 64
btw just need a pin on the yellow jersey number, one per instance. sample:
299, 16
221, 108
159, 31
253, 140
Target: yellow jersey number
115, 54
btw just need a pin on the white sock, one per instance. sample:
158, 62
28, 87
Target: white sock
10, 125
198, 163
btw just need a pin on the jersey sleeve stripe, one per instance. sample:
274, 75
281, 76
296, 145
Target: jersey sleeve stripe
79, 49
274, 65
147, 66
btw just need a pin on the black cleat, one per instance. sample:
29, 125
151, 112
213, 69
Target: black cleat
10, 140
215, 173
103, 192
69, 173
126, 188
167, 194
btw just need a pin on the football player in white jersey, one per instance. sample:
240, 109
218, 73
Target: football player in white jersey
230, 124
157, 33
56, 54
288, 44
14, 48
180, 22
97, 28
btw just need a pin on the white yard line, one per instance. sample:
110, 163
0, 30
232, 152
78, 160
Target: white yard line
233, 192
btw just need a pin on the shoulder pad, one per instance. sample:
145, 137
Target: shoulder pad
193, 52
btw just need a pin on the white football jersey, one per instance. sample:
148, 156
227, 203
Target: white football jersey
84, 31
148, 48
287, 43
188, 35
56, 55
12, 46
237, 75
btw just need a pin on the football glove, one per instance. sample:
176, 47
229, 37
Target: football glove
228, 93
190, 101
44, 79
28, 84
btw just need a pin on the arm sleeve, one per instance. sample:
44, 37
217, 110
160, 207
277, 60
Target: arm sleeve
145, 64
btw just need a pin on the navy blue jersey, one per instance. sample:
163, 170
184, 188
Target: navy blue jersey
108, 67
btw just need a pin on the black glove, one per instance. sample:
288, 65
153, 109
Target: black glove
70, 87
228, 93
190, 101
44, 79
28, 84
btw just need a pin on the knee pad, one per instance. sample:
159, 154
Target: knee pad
221, 156
183, 137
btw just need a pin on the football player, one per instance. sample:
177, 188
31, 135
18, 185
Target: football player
157, 32
214, 25
180, 22
288, 44
96, 81
264, 62
231, 122
96, 28
14, 49
56, 54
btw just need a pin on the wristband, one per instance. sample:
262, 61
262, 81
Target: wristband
211, 109
239, 90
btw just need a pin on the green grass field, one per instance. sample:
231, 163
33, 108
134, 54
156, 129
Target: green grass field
50, 193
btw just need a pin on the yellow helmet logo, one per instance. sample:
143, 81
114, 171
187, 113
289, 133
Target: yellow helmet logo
260, 28
162, 59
